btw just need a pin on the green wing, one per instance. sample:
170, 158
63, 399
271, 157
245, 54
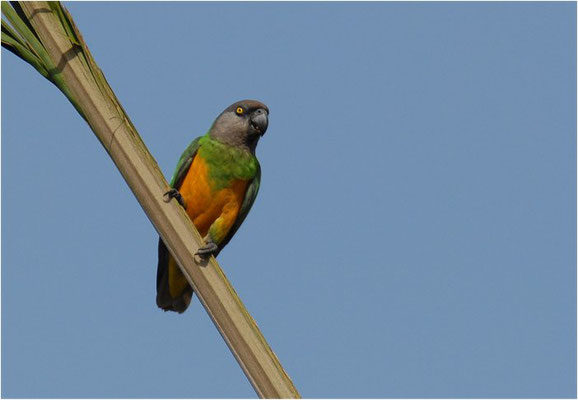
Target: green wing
250, 196
184, 163
164, 298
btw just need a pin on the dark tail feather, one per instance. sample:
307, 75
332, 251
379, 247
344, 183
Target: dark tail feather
164, 298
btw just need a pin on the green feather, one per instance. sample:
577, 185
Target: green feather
184, 163
226, 163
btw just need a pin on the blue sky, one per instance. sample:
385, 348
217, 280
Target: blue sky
415, 232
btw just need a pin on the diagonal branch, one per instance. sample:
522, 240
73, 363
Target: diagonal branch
64, 55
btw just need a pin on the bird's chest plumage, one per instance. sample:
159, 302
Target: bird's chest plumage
214, 192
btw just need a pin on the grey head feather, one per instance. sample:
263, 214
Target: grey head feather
241, 124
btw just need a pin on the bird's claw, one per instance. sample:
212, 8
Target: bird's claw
207, 250
174, 194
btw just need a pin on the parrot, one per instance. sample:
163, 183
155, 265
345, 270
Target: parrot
216, 181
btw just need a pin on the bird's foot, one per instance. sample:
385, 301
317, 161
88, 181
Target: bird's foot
174, 194
207, 250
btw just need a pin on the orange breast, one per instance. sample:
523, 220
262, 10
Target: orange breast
206, 205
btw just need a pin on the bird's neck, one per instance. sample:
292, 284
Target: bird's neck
236, 162
248, 143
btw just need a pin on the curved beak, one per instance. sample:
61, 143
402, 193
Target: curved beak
260, 121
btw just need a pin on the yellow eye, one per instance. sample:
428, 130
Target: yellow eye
240, 110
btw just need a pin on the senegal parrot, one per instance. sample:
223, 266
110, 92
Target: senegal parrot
216, 180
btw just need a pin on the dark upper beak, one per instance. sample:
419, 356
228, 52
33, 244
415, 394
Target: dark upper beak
260, 121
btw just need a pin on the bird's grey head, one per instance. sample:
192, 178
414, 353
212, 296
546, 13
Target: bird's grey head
241, 124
